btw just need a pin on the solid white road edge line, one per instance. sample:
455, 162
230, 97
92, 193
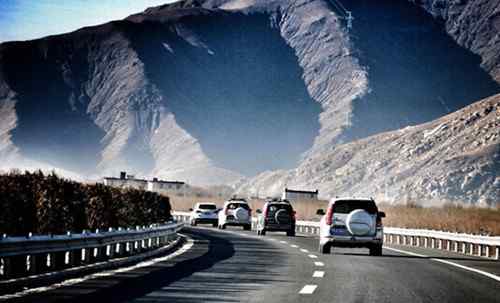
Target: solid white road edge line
105, 273
304, 250
294, 246
284, 242
308, 289
319, 264
486, 274
318, 274
313, 256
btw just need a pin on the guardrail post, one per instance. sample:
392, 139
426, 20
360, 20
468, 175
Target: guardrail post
110, 250
417, 241
471, 251
497, 253
455, 246
487, 251
426, 242
464, 247
6, 268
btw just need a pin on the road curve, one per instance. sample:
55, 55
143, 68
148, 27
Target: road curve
238, 266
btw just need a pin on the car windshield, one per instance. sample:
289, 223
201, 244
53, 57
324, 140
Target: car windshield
207, 206
346, 206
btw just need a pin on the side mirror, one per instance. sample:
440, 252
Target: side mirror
190, 209
320, 212
258, 211
381, 214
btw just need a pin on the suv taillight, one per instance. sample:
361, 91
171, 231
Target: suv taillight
294, 215
379, 222
329, 215
249, 212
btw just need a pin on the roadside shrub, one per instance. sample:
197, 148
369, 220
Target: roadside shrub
48, 204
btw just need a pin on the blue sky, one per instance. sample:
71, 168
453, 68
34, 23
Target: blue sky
31, 19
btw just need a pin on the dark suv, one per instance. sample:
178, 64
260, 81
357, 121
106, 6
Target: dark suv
276, 215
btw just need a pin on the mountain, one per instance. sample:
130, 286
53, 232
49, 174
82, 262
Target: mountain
219, 91
455, 158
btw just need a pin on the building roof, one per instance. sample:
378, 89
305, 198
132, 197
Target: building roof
113, 178
143, 180
300, 191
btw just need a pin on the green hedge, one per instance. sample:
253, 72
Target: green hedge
43, 204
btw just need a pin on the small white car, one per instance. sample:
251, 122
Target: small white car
236, 212
204, 213
351, 222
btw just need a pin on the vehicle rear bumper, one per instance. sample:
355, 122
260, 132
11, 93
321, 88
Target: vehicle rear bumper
279, 227
351, 241
205, 220
237, 223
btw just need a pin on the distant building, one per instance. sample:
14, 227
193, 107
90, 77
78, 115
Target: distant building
126, 181
291, 194
155, 185
166, 186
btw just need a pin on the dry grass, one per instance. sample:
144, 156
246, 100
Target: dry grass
449, 218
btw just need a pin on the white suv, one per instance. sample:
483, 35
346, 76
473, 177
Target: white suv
236, 212
204, 213
351, 222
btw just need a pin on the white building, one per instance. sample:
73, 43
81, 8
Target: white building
291, 194
155, 185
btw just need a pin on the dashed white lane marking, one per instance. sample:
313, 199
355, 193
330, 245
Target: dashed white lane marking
284, 242
308, 289
294, 246
189, 244
486, 274
304, 250
313, 256
319, 264
318, 274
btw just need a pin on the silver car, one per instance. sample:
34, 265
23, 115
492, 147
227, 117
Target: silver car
351, 222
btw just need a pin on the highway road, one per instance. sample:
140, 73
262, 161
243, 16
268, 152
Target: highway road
238, 266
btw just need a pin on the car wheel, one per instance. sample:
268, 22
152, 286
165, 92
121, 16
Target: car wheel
247, 227
325, 248
223, 226
376, 250
214, 224
263, 232
290, 233
258, 232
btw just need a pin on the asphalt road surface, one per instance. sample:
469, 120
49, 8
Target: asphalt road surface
238, 266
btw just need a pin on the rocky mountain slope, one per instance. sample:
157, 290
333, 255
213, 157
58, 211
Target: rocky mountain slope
473, 24
214, 91
455, 158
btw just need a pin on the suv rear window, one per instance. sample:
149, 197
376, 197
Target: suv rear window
346, 206
207, 206
236, 205
273, 208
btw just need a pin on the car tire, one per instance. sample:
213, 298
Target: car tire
247, 227
193, 223
214, 225
263, 232
376, 250
290, 233
223, 226
325, 248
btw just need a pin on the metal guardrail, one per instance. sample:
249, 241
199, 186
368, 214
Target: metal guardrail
32, 255
474, 245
